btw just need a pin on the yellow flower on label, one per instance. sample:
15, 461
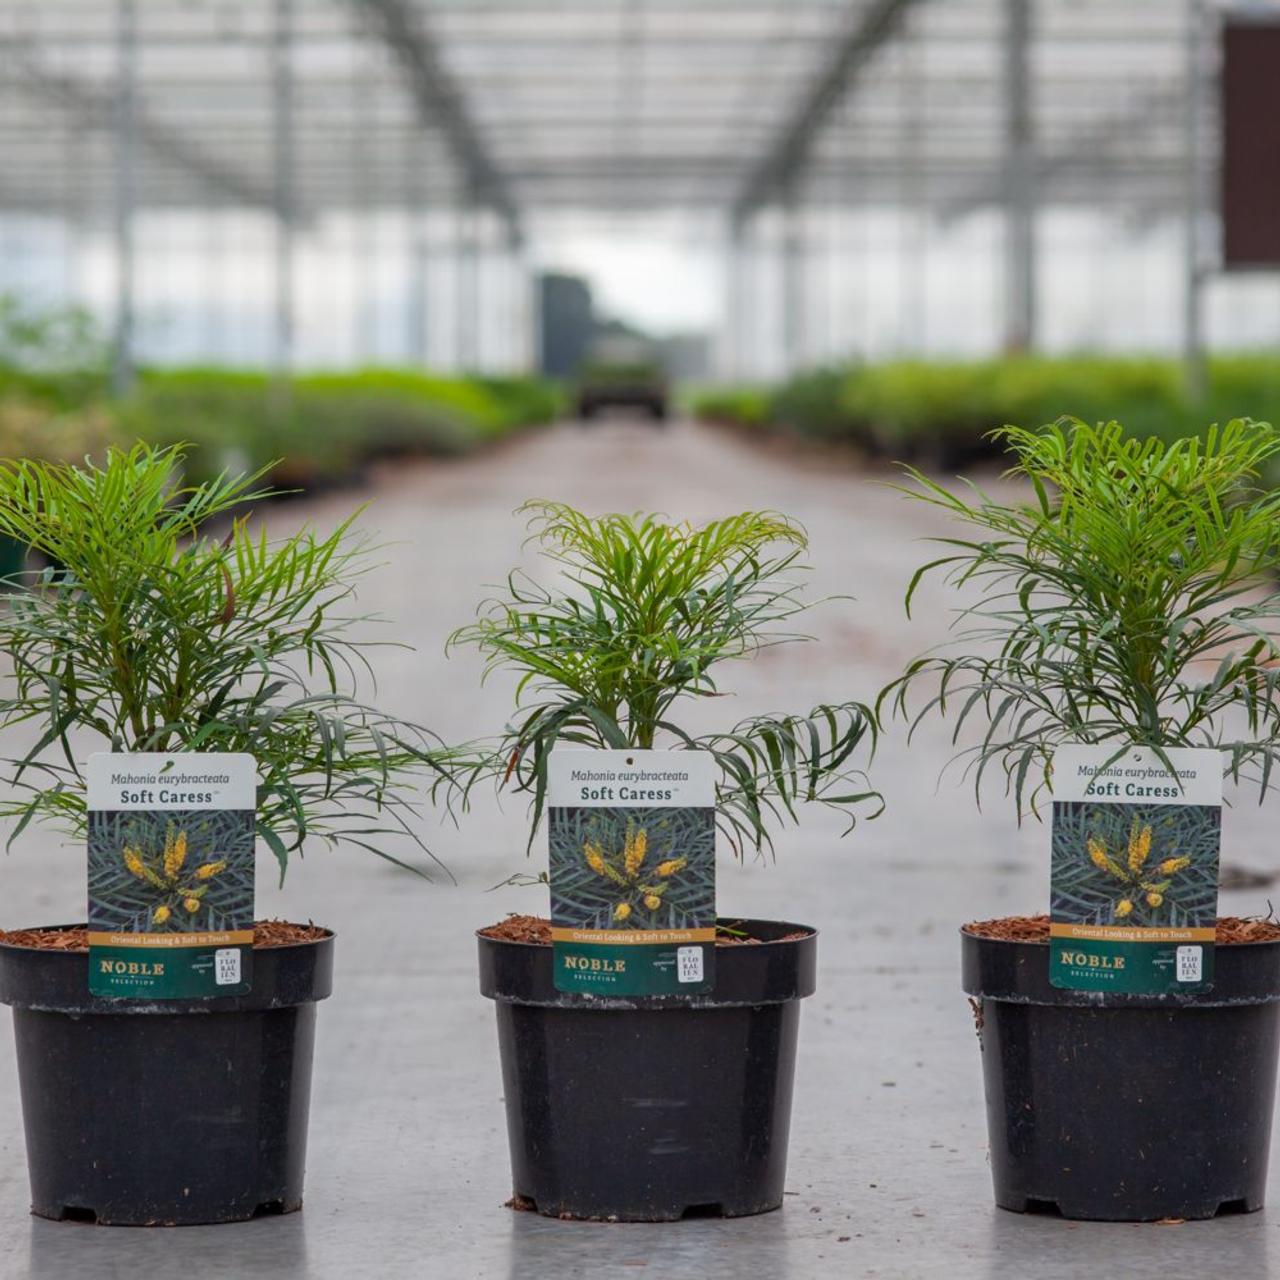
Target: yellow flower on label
1171, 866
622, 911
134, 862
210, 869
160, 915
637, 845
192, 905
594, 856
1102, 860
652, 901
672, 866
1139, 847
1123, 908
1154, 899
175, 853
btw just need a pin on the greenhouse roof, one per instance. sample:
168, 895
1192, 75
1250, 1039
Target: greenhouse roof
316, 105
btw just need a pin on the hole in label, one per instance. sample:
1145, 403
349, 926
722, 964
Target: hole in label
630, 760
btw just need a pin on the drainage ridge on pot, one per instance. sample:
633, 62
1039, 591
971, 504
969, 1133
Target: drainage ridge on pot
173, 1112
1126, 1107
651, 1109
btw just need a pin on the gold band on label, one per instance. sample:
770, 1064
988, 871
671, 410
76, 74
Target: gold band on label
1129, 933
622, 937
169, 941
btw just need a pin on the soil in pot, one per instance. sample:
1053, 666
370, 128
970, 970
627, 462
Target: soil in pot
1232, 930
1126, 1107
537, 930
266, 934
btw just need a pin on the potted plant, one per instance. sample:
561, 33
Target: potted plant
648, 1109
1128, 603
169, 624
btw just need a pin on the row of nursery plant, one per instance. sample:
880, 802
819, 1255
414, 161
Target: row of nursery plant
56, 402
1121, 611
942, 411
327, 425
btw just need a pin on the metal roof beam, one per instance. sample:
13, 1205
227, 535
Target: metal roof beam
1089, 147
870, 26
440, 103
97, 109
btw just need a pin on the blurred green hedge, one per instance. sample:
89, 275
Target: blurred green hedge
745, 406
941, 411
325, 427
322, 428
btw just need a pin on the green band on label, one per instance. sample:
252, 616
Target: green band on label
1131, 968
634, 969
174, 973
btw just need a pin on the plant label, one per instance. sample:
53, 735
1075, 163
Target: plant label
633, 871
171, 862
1134, 873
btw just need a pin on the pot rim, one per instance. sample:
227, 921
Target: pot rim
521, 973
46, 980
1015, 971
966, 932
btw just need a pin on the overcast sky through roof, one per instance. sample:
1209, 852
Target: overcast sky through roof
623, 136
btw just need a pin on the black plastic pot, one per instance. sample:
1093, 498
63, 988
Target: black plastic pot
650, 1110
168, 1113
1126, 1108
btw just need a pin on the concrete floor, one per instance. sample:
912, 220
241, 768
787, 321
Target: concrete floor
408, 1165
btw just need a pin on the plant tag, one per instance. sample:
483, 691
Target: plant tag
1134, 880
171, 860
633, 871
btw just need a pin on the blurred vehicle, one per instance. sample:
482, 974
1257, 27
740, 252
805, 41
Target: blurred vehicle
623, 373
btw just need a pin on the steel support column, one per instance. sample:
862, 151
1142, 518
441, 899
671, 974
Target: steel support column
283, 159
851, 297
732, 331
364, 203
75, 210
1019, 180
416, 318
518, 287
913, 243
1193, 354
749, 311
213, 282
794, 295
530, 312
125, 195
466, 288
